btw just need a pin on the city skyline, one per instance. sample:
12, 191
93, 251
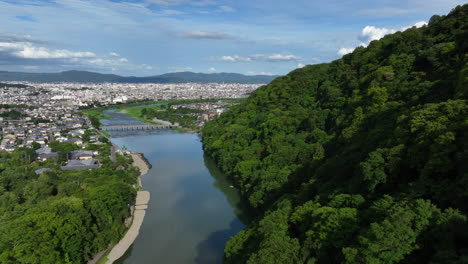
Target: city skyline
149, 37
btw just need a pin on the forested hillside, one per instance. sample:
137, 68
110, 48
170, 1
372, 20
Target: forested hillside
361, 160
61, 216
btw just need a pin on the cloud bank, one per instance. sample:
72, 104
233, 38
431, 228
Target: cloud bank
275, 57
204, 35
28, 53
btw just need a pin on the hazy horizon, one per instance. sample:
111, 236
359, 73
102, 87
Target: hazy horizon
152, 37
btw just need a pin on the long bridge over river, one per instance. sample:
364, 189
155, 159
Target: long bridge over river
136, 127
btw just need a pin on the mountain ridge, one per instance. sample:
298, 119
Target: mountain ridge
176, 77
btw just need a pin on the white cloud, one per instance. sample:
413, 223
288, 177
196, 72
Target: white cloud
235, 58
259, 73
374, 33
212, 69
27, 50
300, 65
204, 35
417, 25
344, 51
278, 57
370, 33
275, 57
420, 24
28, 55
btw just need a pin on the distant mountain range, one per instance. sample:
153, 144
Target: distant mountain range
177, 77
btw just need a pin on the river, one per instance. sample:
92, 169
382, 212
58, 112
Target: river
193, 209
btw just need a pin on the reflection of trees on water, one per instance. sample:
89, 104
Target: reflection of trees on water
119, 119
240, 207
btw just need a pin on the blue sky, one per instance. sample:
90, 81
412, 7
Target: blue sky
148, 37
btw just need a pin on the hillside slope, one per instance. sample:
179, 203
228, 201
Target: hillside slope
362, 160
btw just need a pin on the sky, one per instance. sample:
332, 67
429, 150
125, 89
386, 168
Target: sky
150, 37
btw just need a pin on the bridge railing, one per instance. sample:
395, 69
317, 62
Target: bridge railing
136, 127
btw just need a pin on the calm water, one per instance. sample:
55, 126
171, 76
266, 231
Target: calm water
193, 209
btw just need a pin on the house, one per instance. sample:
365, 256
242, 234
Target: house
41, 141
45, 153
93, 138
80, 155
61, 139
81, 164
43, 150
76, 132
46, 156
75, 141
10, 147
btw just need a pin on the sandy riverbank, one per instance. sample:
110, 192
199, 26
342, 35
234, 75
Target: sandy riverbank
141, 205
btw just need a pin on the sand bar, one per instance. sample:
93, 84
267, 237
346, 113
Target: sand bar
141, 204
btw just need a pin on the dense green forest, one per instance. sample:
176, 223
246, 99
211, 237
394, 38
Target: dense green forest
361, 160
61, 216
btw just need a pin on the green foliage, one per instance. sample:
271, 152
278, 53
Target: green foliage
13, 115
362, 160
60, 216
95, 122
186, 117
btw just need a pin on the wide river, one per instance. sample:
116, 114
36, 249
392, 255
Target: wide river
193, 209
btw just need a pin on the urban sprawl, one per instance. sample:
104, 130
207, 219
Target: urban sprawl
36, 114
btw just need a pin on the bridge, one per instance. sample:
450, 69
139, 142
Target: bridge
136, 127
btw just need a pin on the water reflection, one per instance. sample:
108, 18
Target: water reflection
119, 119
193, 209
232, 194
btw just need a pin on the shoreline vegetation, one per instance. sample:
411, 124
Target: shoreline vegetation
138, 214
115, 252
360, 160
85, 210
138, 211
134, 110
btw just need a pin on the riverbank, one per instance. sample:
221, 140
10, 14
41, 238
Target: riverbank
141, 204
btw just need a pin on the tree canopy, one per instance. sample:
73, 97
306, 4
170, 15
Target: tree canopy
361, 160
61, 216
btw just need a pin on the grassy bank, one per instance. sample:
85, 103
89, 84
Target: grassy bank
135, 110
97, 113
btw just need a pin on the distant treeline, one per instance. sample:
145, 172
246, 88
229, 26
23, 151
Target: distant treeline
13, 85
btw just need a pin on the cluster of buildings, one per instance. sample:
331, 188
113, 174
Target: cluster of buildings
210, 109
47, 109
81, 95
26, 133
67, 128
